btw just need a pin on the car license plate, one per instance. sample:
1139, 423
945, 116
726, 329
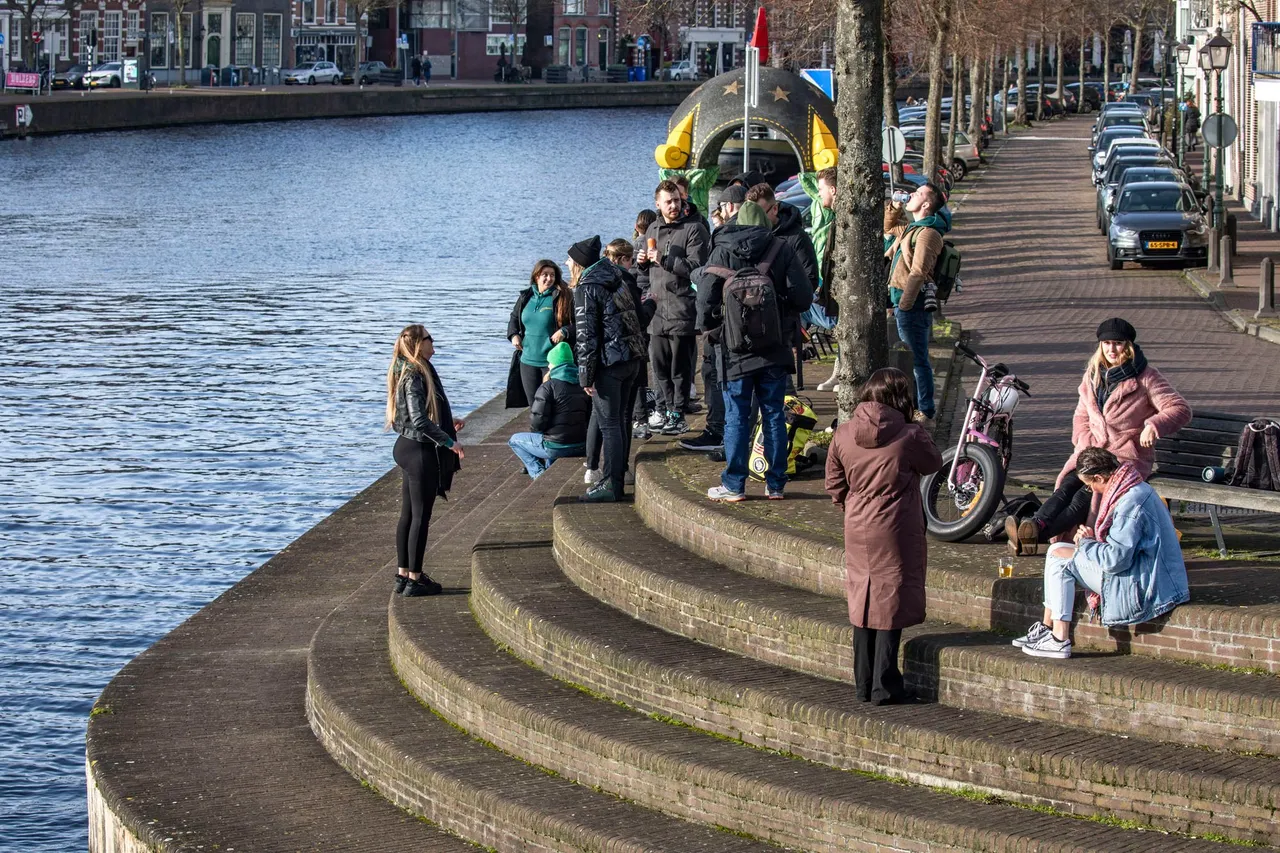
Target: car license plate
1163, 244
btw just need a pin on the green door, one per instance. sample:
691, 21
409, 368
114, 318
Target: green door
213, 50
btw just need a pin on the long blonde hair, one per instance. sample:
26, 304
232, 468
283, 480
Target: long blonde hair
575, 273
1098, 364
408, 343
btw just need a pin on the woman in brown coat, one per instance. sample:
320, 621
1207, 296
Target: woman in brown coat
874, 467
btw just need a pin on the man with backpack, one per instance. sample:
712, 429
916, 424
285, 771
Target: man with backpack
750, 294
913, 249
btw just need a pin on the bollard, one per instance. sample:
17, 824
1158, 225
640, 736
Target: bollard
1266, 290
1211, 256
1264, 210
1273, 221
1224, 262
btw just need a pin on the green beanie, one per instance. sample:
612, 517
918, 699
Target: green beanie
753, 214
560, 354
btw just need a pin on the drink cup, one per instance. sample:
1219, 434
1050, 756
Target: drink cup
901, 197
651, 245
1006, 567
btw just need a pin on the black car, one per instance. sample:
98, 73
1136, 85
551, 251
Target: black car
1160, 172
1157, 221
72, 78
1116, 171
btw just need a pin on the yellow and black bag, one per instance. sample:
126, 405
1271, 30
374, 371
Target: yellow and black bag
801, 421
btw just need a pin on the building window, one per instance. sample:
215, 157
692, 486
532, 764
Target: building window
133, 27
431, 14
271, 46
245, 32
493, 43
500, 12
159, 39
110, 37
564, 46
16, 38
308, 11
604, 7
473, 15
187, 55
580, 46
64, 38
575, 7
331, 11
87, 20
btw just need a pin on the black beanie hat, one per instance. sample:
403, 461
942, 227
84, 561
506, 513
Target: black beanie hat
1116, 329
585, 252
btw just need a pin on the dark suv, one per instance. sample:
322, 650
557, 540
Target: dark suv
1157, 221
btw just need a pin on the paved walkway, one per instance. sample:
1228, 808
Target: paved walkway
1037, 285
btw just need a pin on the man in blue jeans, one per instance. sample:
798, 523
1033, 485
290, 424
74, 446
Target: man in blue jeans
558, 415
758, 370
912, 248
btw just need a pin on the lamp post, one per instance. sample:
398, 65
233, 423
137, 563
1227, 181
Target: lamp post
1207, 172
1183, 51
1218, 50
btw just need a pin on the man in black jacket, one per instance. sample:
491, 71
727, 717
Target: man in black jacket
759, 374
681, 242
558, 416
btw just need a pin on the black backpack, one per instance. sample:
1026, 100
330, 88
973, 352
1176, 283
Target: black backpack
1257, 462
752, 321
1020, 508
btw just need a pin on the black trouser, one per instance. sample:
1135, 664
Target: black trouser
419, 482
593, 426
1067, 507
711, 369
609, 409
530, 378
691, 369
876, 676
671, 362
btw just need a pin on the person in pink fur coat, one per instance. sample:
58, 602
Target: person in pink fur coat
1125, 405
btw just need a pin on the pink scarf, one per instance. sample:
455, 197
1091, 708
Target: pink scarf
1124, 479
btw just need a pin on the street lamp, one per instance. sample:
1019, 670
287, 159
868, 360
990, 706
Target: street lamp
1183, 51
1206, 173
1217, 51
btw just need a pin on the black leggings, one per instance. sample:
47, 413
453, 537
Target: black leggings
419, 479
876, 677
530, 378
1067, 507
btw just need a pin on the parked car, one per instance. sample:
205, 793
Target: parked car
1121, 119
967, 158
371, 72
1092, 95
683, 70
1136, 175
72, 78
1124, 147
312, 73
107, 75
1098, 148
1157, 222
1115, 171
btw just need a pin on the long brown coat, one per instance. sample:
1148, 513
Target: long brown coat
874, 467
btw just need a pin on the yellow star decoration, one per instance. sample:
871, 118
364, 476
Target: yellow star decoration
732, 88
780, 94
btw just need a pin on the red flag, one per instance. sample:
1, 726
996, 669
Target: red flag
760, 36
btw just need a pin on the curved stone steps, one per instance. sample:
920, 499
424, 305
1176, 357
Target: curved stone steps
1227, 623
607, 552
452, 665
524, 602
385, 737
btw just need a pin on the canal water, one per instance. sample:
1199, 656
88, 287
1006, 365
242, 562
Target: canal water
195, 326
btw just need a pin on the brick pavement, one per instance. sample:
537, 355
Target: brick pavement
1037, 285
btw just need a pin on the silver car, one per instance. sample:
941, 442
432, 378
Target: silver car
312, 73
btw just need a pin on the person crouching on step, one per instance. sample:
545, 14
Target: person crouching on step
558, 416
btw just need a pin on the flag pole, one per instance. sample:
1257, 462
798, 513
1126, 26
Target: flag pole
750, 98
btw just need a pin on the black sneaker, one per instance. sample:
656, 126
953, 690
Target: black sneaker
693, 407
401, 582
423, 586
707, 441
601, 493
675, 424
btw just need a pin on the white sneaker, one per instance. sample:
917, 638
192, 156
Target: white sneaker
592, 476
829, 385
1034, 633
658, 419
629, 478
1048, 646
723, 495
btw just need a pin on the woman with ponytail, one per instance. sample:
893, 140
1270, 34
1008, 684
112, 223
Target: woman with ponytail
427, 450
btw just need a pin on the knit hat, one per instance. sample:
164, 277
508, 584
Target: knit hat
1114, 329
735, 194
585, 252
753, 214
749, 179
560, 354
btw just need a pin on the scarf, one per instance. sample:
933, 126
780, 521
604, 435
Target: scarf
1124, 479
1130, 369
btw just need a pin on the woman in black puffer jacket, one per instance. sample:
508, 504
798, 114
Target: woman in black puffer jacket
427, 450
610, 348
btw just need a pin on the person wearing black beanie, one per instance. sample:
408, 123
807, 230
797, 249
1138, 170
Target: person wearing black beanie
1124, 406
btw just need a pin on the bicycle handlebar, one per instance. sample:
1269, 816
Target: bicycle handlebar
964, 350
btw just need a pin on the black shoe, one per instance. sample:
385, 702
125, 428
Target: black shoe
602, 492
401, 582
907, 697
707, 441
675, 425
717, 455
422, 586
693, 407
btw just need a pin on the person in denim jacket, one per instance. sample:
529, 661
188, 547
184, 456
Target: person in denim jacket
1131, 564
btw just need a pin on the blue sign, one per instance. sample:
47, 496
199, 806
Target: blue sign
1, 39
823, 78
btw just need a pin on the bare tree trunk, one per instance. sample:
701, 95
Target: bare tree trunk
977, 93
1106, 63
859, 248
1057, 70
1137, 55
991, 87
1040, 75
957, 110
1004, 99
890, 83
937, 80
1082, 104
1021, 116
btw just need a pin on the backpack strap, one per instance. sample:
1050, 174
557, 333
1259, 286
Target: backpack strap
775, 246
723, 272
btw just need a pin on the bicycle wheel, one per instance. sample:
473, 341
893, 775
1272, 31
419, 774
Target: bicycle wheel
954, 514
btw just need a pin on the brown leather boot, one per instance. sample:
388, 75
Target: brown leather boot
1029, 537
1011, 531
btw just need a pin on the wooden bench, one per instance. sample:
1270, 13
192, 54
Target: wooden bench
1210, 440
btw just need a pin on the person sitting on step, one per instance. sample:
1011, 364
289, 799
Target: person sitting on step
1131, 564
558, 416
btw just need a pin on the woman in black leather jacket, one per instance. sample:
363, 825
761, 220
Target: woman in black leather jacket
427, 450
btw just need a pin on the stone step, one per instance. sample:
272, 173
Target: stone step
610, 555
526, 603
453, 666
1233, 619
